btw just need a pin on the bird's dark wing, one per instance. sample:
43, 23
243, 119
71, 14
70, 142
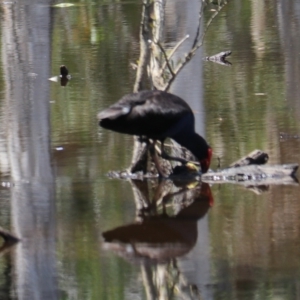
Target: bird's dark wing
123, 107
146, 103
148, 113
156, 103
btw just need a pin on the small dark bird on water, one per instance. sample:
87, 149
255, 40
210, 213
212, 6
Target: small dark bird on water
157, 115
64, 75
63, 71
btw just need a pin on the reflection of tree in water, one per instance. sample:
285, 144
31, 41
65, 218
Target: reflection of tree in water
165, 229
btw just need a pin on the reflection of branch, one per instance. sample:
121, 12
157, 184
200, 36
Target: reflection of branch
147, 277
219, 58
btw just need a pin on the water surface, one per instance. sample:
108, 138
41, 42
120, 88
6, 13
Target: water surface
218, 242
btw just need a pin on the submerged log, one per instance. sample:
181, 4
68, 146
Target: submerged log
254, 174
251, 172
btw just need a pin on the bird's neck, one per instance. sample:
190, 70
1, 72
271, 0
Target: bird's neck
194, 143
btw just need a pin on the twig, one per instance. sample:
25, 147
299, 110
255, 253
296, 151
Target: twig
173, 51
144, 49
167, 61
8, 237
199, 23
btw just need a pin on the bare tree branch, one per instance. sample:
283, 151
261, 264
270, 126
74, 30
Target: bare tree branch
173, 51
139, 156
145, 35
193, 50
167, 60
199, 23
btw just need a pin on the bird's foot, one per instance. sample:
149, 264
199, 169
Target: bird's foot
166, 156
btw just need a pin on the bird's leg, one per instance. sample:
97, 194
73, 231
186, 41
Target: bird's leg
151, 147
166, 156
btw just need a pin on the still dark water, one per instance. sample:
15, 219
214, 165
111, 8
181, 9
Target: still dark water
216, 242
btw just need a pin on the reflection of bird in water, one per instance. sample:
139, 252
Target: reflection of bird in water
157, 115
64, 75
162, 237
